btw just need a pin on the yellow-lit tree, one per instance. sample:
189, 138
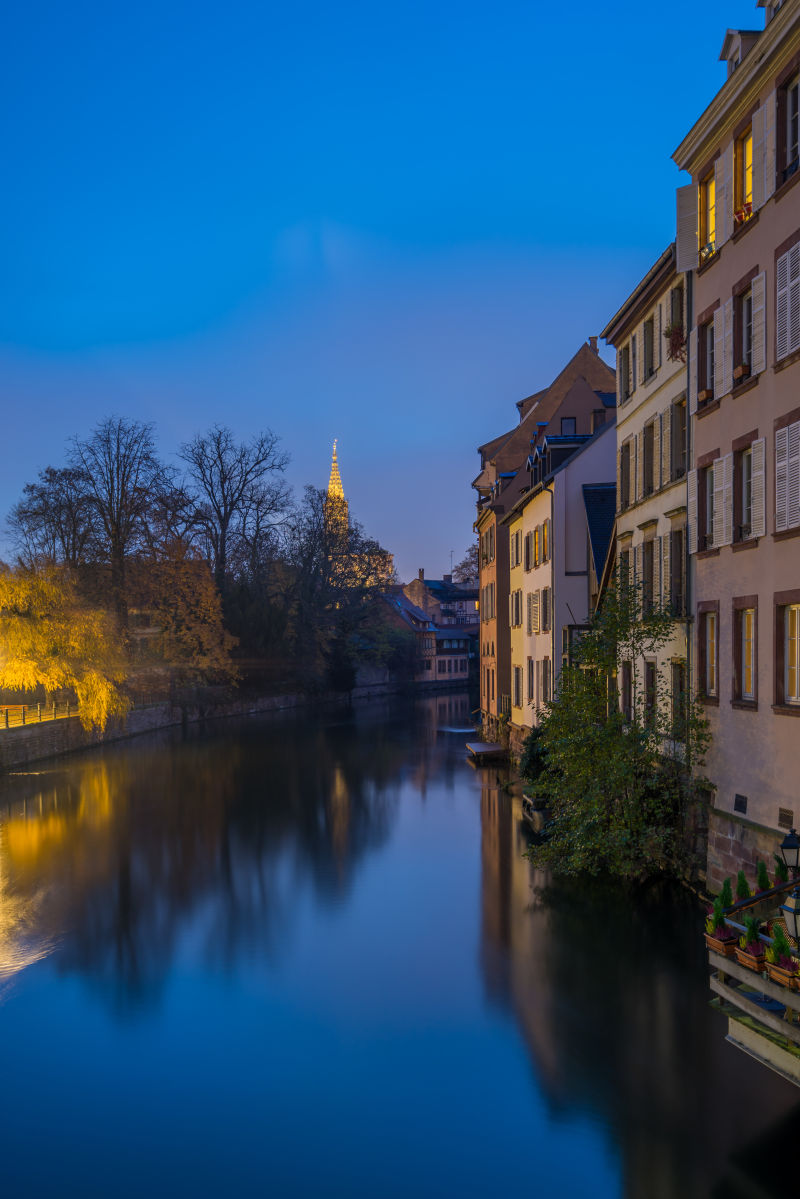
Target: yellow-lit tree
49, 639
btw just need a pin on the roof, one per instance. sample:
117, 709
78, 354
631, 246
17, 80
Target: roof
410, 613
528, 492
600, 501
450, 591
642, 294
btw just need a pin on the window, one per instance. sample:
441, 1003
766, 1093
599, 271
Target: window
705, 508
678, 701
678, 440
634, 364
537, 545
742, 336
528, 558
705, 362
545, 610
650, 694
743, 178
517, 686
515, 549
787, 272
625, 372
788, 129
649, 348
568, 426
649, 460
791, 641
627, 692
487, 546
531, 677
675, 314
745, 471
624, 569
545, 680
744, 654
624, 475
515, 606
677, 571
441, 666
787, 477
709, 653
707, 223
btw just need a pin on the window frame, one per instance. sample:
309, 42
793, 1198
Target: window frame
743, 178
744, 613
707, 217
708, 650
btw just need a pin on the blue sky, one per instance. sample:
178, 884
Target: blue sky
382, 224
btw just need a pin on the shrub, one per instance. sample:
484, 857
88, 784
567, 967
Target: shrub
762, 878
742, 889
781, 870
726, 894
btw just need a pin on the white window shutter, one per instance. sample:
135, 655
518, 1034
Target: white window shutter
665, 570
782, 305
769, 107
781, 470
719, 202
758, 128
727, 210
727, 343
718, 327
794, 298
686, 226
693, 372
793, 477
535, 612
666, 446
759, 293
759, 506
727, 499
719, 501
691, 511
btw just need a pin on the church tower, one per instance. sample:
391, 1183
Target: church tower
335, 504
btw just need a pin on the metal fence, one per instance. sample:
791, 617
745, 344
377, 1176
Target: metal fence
16, 715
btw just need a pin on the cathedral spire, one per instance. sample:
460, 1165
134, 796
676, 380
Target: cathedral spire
335, 503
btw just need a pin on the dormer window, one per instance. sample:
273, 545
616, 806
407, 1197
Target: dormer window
568, 426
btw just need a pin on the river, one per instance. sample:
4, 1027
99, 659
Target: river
305, 956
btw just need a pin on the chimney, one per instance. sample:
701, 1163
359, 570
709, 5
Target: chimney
593, 344
421, 575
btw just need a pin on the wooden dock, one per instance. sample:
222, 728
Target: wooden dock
486, 751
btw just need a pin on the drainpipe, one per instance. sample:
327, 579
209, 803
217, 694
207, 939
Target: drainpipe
690, 681
548, 487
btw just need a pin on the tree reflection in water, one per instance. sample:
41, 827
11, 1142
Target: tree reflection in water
610, 990
120, 852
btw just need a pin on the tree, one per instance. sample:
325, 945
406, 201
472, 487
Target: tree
241, 493
466, 571
51, 640
123, 476
54, 522
620, 789
334, 571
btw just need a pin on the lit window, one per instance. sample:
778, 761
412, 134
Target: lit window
708, 217
711, 652
747, 621
792, 654
743, 178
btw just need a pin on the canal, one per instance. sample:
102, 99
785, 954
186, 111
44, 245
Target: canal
306, 957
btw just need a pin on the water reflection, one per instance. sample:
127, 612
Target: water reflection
611, 998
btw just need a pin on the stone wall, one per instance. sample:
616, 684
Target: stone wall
51, 738
734, 844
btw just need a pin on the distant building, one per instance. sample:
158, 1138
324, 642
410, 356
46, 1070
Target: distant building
443, 654
447, 603
336, 508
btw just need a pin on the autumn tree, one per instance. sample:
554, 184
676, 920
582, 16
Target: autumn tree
240, 494
51, 640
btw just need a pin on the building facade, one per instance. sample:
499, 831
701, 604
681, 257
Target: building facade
739, 233
649, 334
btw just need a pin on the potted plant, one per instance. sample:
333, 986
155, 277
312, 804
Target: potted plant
726, 894
781, 870
676, 341
705, 395
742, 889
762, 878
741, 371
750, 950
781, 966
719, 937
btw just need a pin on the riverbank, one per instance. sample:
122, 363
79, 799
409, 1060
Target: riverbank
49, 739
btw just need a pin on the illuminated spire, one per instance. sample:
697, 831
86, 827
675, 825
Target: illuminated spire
335, 503
335, 489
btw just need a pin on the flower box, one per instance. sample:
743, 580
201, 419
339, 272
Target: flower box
705, 395
751, 960
785, 977
723, 945
741, 372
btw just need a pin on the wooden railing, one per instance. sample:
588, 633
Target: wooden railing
17, 715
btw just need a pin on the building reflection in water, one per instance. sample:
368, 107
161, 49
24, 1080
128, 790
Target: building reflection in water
610, 995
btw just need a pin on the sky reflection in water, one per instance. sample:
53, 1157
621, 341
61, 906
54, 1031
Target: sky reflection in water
301, 958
